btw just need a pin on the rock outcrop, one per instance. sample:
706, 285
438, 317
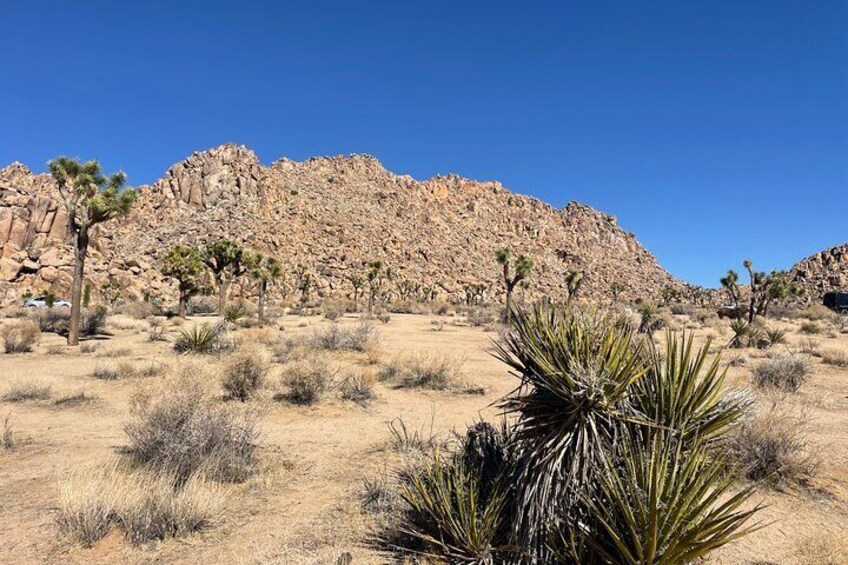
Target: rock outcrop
331, 215
823, 272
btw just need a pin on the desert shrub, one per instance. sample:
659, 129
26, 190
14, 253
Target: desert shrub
128, 370
478, 316
815, 312
234, 312
835, 357
810, 328
307, 381
360, 337
244, 372
113, 352
202, 305
201, 338
74, 399
178, 427
104, 373
384, 318
89, 348
156, 331
286, 350
359, 388
784, 371
146, 506
52, 320
424, 370
741, 333
772, 447
140, 310
20, 336
333, 310
404, 439
378, 494
56, 349
23, 390
609, 439
810, 346
93, 321
121, 322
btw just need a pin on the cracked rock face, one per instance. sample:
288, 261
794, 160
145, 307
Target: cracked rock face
331, 215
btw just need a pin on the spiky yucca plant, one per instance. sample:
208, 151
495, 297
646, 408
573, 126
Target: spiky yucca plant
664, 502
741, 332
576, 369
681, 392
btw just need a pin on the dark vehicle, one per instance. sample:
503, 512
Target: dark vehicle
836, 301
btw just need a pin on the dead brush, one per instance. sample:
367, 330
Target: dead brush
144, 505
359, 388
179, 426
30, 389
113, 352
244, 372
424, 370
308, 381
74, 399
19, 336
784, 371
772, 447
835, 357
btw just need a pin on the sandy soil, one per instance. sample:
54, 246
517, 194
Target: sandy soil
304, 506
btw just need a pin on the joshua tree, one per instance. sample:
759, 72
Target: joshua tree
264, 270
474, 293
185, 264
224, 260
573, 282
90, 198
515, 270
616, 288
377, 274
358, 282
112, 290
670, 294
304, 283
730, 283
766, 288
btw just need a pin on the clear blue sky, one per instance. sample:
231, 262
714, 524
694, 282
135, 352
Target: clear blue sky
714, 130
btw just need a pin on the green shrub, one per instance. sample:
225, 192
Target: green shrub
203, 338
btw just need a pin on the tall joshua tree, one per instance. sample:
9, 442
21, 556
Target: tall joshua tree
357, 282
515, 270
224, 260
573, 282
90, 198
377, 275
264, 270
185, 264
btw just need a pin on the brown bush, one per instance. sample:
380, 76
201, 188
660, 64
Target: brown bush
19, 336
244, 372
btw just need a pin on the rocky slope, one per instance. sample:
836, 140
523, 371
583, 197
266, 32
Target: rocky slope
823, 272
331, 215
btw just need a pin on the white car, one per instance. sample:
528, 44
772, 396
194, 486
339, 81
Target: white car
41, 302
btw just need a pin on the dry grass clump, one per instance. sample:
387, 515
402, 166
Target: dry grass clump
288, 350
359, 388
244, 372
267, 336
784, 371
772, 447
24, 390
307, 381
120, 322
822, 548
178, 426
479, 316
810, 328
128, 370
424, 370
835, 357
146, 506
7, 438
56, 349
74, 399
362, 337
19, 336
113, 352
156, 331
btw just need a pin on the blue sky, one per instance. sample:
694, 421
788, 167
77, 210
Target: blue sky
714, 130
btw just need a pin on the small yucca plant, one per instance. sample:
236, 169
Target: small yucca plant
775, 336
200, 339
741, 331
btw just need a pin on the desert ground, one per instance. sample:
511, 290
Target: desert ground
307, 501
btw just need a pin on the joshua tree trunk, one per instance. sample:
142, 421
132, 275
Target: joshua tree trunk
261, 308
181, 310
222, 295
508, 306
80, 252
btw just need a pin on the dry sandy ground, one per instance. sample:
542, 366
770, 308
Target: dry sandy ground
304, 506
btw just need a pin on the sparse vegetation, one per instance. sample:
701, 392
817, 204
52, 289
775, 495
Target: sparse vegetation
784, 371
244, 372
772, 447
359, 388
307, 381
7, 439
200, 338
835, 357
19, 336
177, 427
362, 337
24, 390
74, 399
423, 370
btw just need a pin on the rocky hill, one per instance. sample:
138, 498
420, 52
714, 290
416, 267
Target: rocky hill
331, 215
823, 272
